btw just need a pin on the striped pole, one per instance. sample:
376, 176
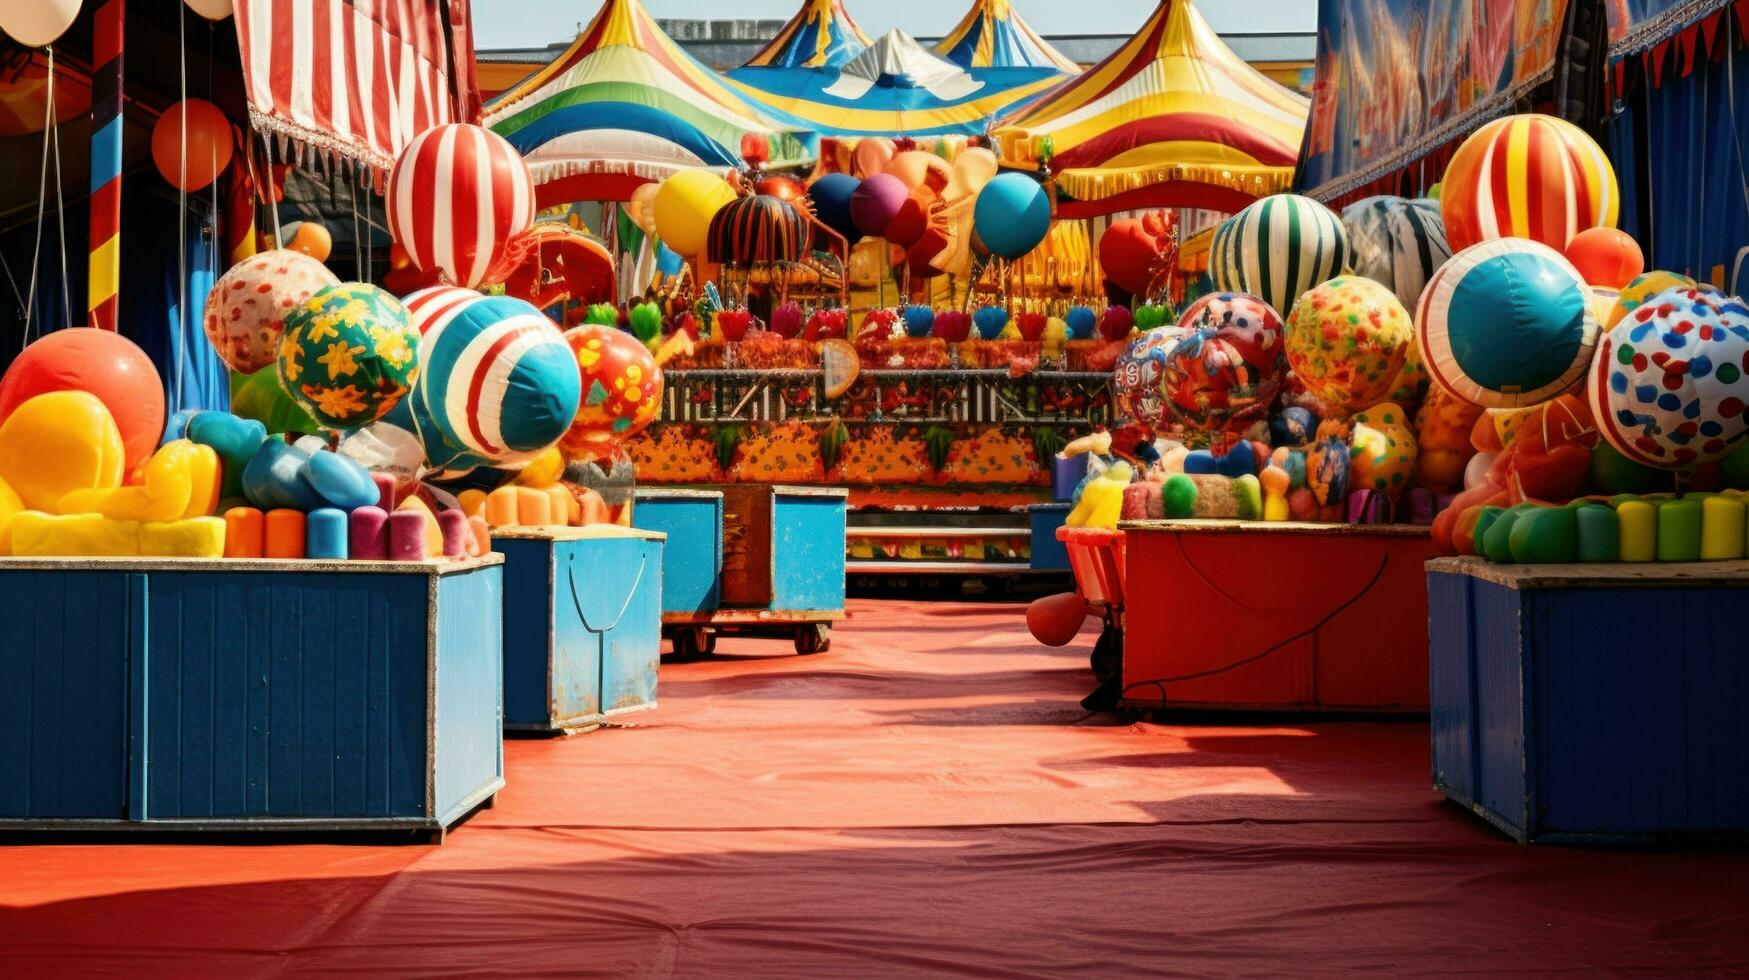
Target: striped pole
106, 81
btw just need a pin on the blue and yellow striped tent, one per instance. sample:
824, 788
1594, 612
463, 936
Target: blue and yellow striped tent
993, 35
893, 88
820, 35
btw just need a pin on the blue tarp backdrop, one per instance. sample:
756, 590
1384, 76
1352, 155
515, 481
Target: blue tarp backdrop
194, 377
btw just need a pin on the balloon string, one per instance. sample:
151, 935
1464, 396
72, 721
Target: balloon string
181, 209
60, 194
42, 199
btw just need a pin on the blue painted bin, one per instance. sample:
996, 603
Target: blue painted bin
692, 521
182, 694
582, 624
1048, 554
1592, 703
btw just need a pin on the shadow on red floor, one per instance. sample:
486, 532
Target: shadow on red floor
925, 799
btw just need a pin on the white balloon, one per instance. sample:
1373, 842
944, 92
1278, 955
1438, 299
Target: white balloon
34, 23
211, 9
1477, 469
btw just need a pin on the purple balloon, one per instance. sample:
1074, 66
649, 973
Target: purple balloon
876, 202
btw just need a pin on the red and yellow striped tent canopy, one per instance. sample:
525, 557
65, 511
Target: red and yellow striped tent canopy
1171, 119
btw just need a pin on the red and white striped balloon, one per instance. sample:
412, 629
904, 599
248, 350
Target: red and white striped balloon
456, 197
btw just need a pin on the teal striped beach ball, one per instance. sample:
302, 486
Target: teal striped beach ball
1277, 248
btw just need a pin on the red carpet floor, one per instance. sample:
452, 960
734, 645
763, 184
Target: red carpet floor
925, 799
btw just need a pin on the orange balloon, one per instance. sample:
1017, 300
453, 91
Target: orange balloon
208, 136
782, 187
871, 156
308, 237
1606, 257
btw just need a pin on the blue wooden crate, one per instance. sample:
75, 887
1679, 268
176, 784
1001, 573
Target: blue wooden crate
692, 520
1592, 703
1048, 554
807, 551
582, 624
248, 694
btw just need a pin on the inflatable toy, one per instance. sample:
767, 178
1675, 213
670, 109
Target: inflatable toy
101, 363
498, 380
191, 143
1506, 324
247, 307
1277, 248
457, 170
182, 480
1668, 388
348, 355
57, 443
1346, 340
622, 391
260, 397
1136, 380
1012, 215
1527, 176
1607, 257
1227, 368
1397, 242
1641, 288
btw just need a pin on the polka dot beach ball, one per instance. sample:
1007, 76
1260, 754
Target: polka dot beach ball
499, 379
1346, 341
622, 389
1671, 381
247, 307
1506, 324
348, 355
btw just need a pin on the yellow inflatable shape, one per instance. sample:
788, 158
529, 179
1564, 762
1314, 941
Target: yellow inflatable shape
543, 470
10, 505
194, 537
163, 495
433, 533
207, 479
57, 443
39, 535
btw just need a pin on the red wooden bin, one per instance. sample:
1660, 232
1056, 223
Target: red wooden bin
1278, 616
1096, 556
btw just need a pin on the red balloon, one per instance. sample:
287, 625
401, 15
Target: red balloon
99, 362
1606, 257
452, 170
208, 140
1130, 255
1056, 619
755, 149
782, 187
908, 226
920, 255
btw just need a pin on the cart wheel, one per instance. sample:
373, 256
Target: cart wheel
1107, 658
710, 643
814, 638
692, 642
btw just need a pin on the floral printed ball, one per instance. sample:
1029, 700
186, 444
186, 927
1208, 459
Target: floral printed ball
348, 355
1346, 340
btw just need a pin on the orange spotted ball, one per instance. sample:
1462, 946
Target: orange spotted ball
622, 390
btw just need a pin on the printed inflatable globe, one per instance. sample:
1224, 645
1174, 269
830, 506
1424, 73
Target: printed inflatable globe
1228, 368
1346, 340
499, 380
1397, 242
1528, 176
1135, 381
247, 307
1671, 381
348, 355
622, 390
1506, 324
1277, 248
1641, 288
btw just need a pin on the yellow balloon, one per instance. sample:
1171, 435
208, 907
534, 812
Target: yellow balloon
57, 443
684, 206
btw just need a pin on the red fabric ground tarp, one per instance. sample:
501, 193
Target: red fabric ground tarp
924, 799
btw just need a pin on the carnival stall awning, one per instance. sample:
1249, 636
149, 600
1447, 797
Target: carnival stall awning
894, 87
993, 35
1171, 119
625, 104
820, 35
356, 79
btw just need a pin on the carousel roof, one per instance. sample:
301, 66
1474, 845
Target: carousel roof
820, 35
993, 35
894, 87
624, 99
1172, 118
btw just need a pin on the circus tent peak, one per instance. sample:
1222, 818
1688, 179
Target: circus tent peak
993, 35
820, 35
1172, 118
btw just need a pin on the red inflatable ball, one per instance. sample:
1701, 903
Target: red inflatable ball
908, 224
1606, 257
203, 129
101, 363
1130, 255
1055, 619
783, 187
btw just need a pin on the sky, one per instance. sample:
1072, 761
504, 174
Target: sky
535, 23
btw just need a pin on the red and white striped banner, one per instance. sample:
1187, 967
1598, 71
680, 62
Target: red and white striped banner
356, 78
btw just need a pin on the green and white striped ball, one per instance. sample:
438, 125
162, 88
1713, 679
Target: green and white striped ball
1397, 242
1277, 248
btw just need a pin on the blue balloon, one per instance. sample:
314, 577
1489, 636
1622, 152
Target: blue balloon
1081, 321
990, 320
831, 197
919, 319
1012, 215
